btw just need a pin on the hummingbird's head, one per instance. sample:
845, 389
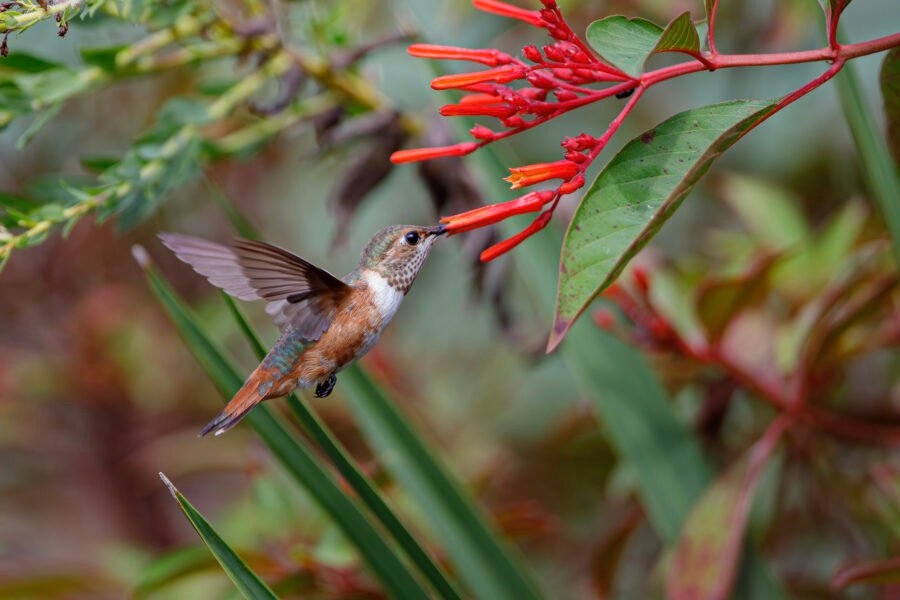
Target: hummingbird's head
398, 252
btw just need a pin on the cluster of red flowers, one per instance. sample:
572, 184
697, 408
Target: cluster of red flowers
553, 80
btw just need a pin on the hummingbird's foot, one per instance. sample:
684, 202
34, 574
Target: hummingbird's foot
324, 388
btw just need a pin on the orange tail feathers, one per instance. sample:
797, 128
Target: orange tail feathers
257, 388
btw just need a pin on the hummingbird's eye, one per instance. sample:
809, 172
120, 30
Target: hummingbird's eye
411, 238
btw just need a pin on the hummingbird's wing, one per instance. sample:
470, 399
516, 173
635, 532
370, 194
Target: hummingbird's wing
298, 293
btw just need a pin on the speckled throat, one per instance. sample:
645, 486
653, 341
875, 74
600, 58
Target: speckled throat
401, 276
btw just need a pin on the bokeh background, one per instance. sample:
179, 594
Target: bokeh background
98, 393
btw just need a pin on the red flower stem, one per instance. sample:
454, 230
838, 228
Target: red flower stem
614, 126
850, 427
729, 61
797, 94
711, 28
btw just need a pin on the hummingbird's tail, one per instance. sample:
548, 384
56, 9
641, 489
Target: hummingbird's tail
262, 384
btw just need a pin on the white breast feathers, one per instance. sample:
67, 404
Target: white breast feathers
385, 297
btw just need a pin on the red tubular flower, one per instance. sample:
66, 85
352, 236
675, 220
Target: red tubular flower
532, 17
531, 174
481, 99
506, 245
487, 215
480, 132
500, 111
489, 57
503, 74
571, 186
417, 154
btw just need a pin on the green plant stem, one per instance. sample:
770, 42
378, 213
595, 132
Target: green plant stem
878, 168
34, 14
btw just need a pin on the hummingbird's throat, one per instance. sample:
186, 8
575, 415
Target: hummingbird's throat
385, 296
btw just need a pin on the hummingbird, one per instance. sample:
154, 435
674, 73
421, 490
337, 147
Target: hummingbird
326, 322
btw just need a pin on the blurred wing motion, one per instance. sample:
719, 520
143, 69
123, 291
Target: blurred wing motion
298, 293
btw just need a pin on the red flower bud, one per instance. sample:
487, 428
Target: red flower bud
532, 94
604, 319
480, 132
532, 17
554, 53
532, 54
540, 80
571, 186
513, 122
580, 142
417, 154
549, 16
565, 95
506, 245
541, 108
641, 280
503, 74
575, 157
489, 57
499, 111
480, 99
531, 174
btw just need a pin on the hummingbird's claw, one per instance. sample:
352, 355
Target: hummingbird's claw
325, 388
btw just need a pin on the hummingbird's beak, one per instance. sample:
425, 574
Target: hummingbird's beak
436, 230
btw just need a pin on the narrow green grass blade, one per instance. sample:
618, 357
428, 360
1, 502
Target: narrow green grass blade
483, 561
295, 455
357, 480
877, 165
249, 584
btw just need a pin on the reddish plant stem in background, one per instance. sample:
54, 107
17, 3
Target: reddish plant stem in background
760, 453
787, 397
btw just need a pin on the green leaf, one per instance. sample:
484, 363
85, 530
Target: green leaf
482, 560
37, 124
97, 164
628, 43
26, 63
636, 193
104, 57
361, 484
835, 6
295, 455
250, 585
706, 558
625, 43
890, 93
879, 170
680, 36
55, 85
771, 213
171, 567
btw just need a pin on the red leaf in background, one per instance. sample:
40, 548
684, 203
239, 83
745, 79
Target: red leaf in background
704, 565
875, 571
